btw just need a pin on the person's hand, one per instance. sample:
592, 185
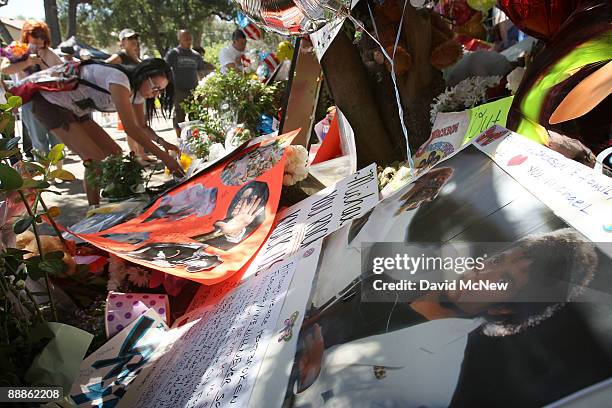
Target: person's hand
169, 146
309, 363
172, 164
243, 214
34, 59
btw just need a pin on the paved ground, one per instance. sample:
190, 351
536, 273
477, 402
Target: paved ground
72, 201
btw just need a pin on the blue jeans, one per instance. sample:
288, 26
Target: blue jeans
42, 140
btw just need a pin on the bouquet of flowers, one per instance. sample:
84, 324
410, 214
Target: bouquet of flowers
17, 51
236, 136
466, 94
196, 139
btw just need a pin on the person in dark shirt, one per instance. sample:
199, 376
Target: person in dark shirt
130, 49
187, 66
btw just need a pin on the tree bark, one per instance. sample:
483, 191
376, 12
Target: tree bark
72, 18
422, 82
159, 42
348, 84
53, 22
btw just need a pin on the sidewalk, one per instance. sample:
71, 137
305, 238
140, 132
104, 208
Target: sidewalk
73, 202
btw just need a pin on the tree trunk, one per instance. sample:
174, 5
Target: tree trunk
422, 82
154, 23
348, 83
53, 22
72, 18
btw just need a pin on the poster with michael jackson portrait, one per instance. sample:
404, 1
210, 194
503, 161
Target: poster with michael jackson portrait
527, 323
210, 226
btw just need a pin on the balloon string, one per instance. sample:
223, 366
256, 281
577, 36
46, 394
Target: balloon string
393, 76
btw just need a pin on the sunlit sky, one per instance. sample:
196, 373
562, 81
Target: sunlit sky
26, 8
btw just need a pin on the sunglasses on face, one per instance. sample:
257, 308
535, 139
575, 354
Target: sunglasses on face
154, 88
37, 35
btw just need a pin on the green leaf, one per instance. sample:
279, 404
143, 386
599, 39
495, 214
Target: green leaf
22, 225
31, 183
53, 266
34, 168
34, 271
54, 255
13, 252
56, 154
9, 178
62, 175
14, 101
5, 154
40, 157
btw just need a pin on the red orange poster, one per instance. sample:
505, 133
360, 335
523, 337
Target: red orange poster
210, 226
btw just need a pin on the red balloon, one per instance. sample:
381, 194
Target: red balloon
538, 18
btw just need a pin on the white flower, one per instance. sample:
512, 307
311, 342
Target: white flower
296, 164
466, 94
138, 276
514, 79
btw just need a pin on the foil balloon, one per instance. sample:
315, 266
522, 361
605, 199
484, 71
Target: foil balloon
284, 50
580, 49
294, 17
481, 5
539, 18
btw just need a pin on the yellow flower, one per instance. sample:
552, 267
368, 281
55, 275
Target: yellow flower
185, 161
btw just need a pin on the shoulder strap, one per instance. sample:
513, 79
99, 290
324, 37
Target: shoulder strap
91, 84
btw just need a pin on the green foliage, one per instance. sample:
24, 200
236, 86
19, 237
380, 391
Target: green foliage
7, 119
203, 137
120, 176
157, 21
232, 98
9, 178
212, 52
23, 318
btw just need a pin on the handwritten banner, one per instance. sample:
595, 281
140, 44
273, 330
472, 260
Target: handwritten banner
216, 360
576, 192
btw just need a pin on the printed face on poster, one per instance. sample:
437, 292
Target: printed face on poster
438, 347
209, 227
305, 224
